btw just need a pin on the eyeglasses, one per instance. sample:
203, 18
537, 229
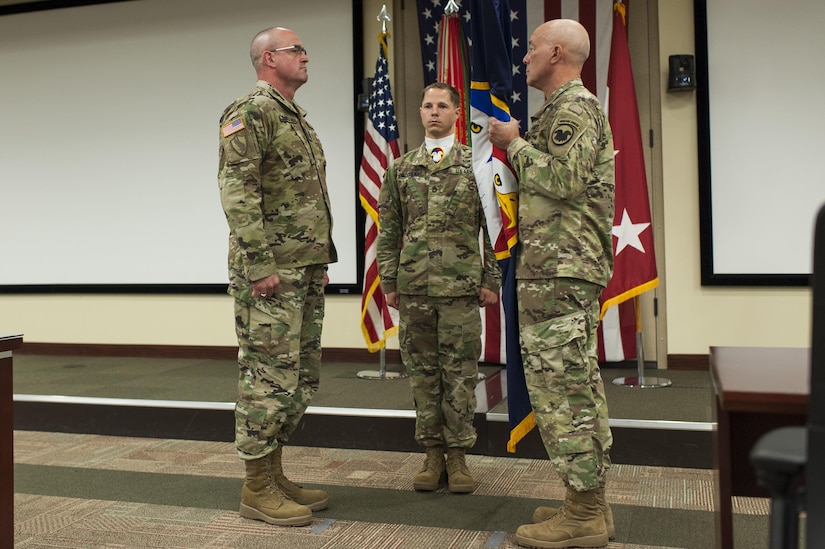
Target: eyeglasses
295, 48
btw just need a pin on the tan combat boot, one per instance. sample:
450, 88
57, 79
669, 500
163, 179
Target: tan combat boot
545, 513
458, 475
316, 500
579, 523
434, 472
261, 499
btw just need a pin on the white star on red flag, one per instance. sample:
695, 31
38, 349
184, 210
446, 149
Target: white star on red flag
628, 233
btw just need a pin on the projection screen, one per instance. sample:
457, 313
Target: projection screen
761, 114
110, 158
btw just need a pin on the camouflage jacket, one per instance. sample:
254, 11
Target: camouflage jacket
272, 180
430, 216
564, 166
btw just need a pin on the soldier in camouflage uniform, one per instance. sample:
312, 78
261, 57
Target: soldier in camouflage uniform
272, 179
434, 272
564, 260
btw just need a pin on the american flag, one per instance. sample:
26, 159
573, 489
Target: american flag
618, 325
429, 15
378, 321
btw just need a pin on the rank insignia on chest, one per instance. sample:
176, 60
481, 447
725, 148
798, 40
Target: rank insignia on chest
232, 126
437, 154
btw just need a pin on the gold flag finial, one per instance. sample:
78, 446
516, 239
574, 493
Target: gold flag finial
622, 9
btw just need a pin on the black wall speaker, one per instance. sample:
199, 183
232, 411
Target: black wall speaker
682, 75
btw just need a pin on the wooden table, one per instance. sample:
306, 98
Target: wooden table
757, 389
7, 344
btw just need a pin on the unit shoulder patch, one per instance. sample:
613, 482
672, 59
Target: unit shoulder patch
238, 145
563, 132
566, 130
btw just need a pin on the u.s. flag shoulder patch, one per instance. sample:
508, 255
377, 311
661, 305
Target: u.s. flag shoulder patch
232, 126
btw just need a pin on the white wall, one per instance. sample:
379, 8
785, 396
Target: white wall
152, 319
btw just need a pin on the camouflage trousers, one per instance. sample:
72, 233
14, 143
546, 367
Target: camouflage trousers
440, 343
557, 324
279, 358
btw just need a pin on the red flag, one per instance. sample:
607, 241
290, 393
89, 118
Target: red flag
634, 269
380, 149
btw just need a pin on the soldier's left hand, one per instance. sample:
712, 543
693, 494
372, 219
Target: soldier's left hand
502, 133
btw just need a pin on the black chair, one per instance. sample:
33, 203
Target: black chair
790, 461
779, 458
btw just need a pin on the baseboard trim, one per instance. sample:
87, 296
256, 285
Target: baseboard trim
207, 352
129, 351
689, 362
334, 354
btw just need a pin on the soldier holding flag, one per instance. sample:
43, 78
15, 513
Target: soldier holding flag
564, 166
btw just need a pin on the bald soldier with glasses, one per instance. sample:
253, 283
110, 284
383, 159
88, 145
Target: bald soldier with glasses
272, 180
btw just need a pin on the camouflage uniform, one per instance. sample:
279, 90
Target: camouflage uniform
428, 251
272, 180
564, 259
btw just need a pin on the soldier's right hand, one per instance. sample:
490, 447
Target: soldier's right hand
266, 287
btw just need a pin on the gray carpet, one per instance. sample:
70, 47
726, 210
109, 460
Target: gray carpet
689, 398
71, 488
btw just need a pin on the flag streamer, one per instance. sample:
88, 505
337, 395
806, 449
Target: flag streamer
453, 61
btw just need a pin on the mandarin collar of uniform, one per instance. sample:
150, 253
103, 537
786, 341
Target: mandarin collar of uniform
273, 92
576, 82
422, 157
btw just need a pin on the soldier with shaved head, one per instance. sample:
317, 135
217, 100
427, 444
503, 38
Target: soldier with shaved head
564, 166
272, 180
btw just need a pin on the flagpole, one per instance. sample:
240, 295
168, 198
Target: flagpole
382, 373
640, 380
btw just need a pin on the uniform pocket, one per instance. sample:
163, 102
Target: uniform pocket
555, 333
555, 363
